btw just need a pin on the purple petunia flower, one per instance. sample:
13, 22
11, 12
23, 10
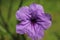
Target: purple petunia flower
33, 21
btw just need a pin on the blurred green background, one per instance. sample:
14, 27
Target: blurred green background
8, 21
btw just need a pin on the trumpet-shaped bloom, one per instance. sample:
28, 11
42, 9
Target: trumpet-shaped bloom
33, 21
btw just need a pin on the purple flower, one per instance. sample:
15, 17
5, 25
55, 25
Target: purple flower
33, 21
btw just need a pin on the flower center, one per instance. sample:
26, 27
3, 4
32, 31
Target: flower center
33, 20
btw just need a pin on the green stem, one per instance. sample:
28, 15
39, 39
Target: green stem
21, 2
10, 9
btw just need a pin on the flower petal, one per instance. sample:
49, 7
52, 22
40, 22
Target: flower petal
39, 32
30, 30
38, 9
45, 23
35, 32
20, 27
48, 16
23, 13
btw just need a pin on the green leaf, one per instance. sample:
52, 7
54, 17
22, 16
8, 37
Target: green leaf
3, 30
